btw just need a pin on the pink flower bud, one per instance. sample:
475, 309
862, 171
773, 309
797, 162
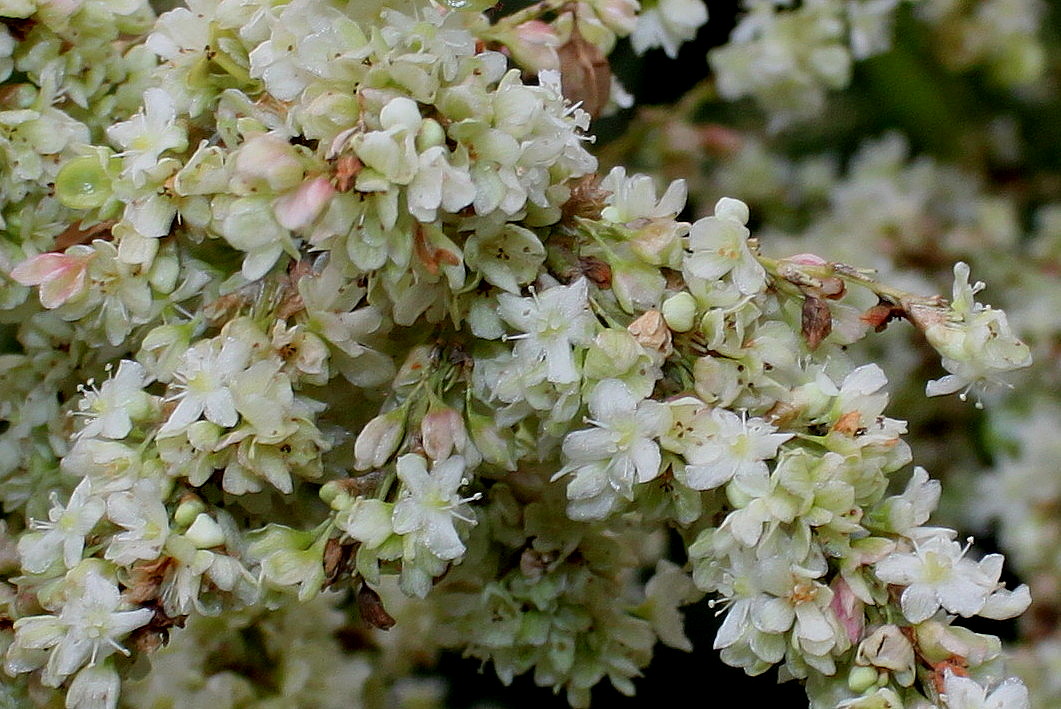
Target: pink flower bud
534, 46
848, 609
60, 276
807, 260
441, 430
297, 209
266, 161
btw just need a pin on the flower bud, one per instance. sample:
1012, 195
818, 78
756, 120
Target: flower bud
440, 430
297, 209
379, 439
888, 649
205, 532
430, 135
859, 679
680, 312
400, 112
188, 510
729, 208
534, 46
266, 161
334, 494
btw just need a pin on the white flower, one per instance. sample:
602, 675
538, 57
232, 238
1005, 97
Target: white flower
94, 687
551, 322
141, 513
438, 184
722, 446
965, 693
667, 24
64, 532
621, 450
634, 198
86, 631
110, 409
204, 377
975, 342
110, 465
937, 573
719, 246
148, 134
429, 504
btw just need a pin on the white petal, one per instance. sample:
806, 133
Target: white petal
919, 602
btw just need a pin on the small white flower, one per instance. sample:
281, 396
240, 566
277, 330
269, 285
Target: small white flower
86, 630
141, 513
975, 342
722, 446
620, 451
429, 504
438, 184
203, 383
148, 134
937, 573
965, 693
110, 409
64, 532
551, 322
634, 198
719, 246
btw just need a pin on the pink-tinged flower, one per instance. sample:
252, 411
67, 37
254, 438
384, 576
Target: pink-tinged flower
848, 609
60, 276
297, 209
442, 430
534, 45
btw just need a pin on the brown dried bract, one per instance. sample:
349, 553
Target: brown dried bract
433, 258
19, 27
955, 665
585, 76
155, 634
881, 314
652, 332
74, 234
145, 580
587, 199
599, 272
848, 423
291, 300
817, 321
336, 556
372, 611
347, 168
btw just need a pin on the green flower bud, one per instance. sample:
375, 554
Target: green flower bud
334, 494
431, 133
83, 183
859, 679
680, 312
205, 532
188, 510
